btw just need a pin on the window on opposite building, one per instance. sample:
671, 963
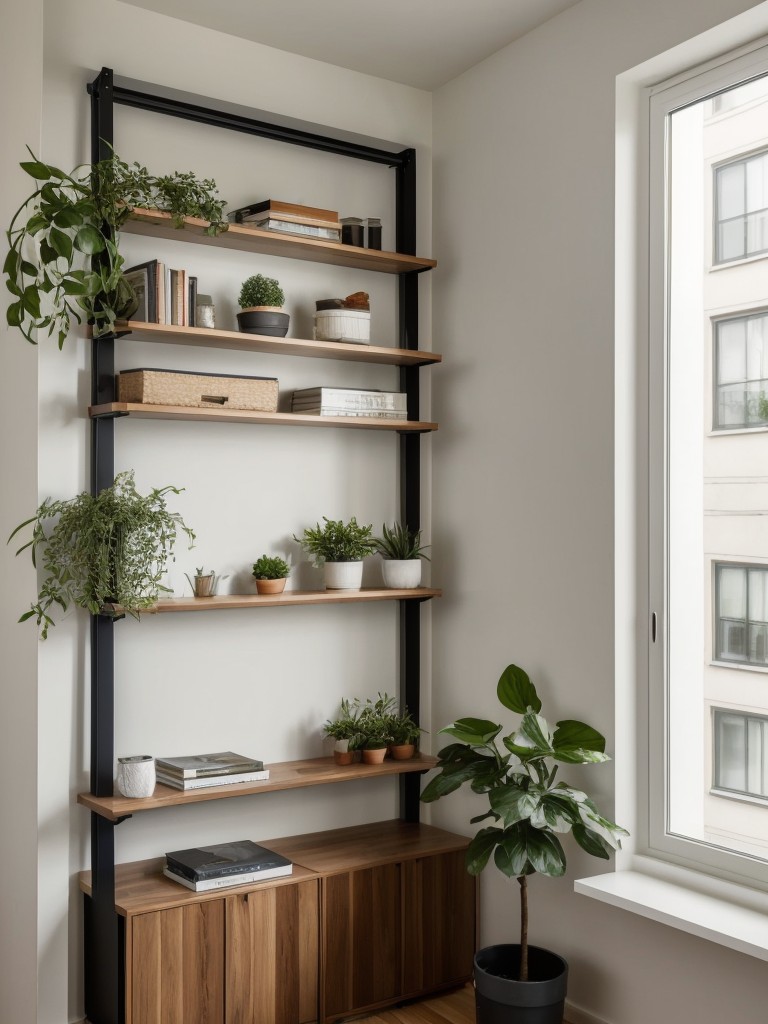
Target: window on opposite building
741, 208
741, 372
741, 753
741, 632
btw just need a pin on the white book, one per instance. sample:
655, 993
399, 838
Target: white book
228, 881
211, 780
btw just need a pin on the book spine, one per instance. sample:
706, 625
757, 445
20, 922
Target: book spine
212, 780
227, 881
199, 773
192, 317
290, 218
371, 414
353, 402
296, 228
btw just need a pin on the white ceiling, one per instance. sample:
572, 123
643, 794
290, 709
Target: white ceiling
423, 43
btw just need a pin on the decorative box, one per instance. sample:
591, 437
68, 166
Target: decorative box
352, 325
197, 390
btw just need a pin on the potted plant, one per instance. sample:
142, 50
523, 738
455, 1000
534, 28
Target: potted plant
261, 304
401, 551
103, 550
271, 574
517, 982
340, 547
345, 731
203, 583
405, 734
64, 262
374, 723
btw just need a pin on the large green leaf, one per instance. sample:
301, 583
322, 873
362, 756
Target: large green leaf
553, 814
31, 300
591, 842
68, 217
513, 804
579, 755
545, 853
11, 263
516, 691
62, 243
15, 314
511, 856
534, 732
475, 731
479, 849
37, 169
88, 240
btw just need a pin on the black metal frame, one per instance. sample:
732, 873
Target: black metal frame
104, 930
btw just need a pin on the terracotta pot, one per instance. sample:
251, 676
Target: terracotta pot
375, 756
343, 756
270, 586
403, 751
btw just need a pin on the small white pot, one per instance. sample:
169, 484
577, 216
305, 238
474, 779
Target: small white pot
401, 573
136, 776
343, 575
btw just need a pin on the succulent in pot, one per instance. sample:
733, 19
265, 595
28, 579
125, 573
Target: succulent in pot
530, 812
261, 303
340, 548
402, 551
271, 574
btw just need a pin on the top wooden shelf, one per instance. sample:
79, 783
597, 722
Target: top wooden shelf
157, 224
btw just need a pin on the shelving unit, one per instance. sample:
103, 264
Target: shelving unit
135, 919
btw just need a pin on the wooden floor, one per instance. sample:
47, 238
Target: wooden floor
456, 1007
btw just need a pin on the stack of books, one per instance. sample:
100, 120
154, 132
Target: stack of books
389, 405
166, 296
218, 867
290, 219
196, 771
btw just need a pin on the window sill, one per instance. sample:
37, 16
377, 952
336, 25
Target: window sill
722, 912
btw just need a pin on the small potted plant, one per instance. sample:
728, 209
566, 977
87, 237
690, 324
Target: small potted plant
340, 547
261, 304
271, 574
402, 552
530, 812
203, 583
405, 734
345, 731
374, 723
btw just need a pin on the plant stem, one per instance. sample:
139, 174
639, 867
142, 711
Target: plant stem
523, 881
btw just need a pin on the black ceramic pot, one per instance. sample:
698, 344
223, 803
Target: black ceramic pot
501, 999
263, 321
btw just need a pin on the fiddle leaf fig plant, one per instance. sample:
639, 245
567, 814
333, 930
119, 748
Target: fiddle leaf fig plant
529, 809
102, 550
64, 265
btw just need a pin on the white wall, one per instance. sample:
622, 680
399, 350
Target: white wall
523, 470
262, 685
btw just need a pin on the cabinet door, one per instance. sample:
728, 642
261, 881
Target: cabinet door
177, 965
361, 939
438, 922
272, 955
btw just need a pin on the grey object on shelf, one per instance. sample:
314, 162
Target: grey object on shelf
136, 775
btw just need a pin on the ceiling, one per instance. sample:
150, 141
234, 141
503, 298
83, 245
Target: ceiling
423, 43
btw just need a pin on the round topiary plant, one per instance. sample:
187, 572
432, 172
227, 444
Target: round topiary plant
261, 291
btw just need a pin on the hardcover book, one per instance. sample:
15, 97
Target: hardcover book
276, 207
192, 766
203, 863
203, 781
227, 881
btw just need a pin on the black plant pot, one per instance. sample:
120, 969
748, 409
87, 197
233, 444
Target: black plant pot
263, 321
501, 999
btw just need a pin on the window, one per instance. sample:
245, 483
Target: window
741, 753
741, 372
742, 614
741, 208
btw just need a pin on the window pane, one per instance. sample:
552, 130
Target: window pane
732, 744
732, 349
757, 183
756, 402
730, 243
732, 406
757, 348
754, 756
730, 191
733, 593
757, 232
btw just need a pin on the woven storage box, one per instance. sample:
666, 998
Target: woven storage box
197, 390
343, 325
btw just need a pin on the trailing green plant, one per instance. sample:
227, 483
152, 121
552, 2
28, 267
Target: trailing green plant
271, 568
261, 291
529, 809
106, 549
400, 542
64, 265
337, 541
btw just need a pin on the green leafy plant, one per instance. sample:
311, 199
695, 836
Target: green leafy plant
337, 541
529, 808
261, 291
64, 264
403, 729
271, 568
375, 721
400, 542
346, 725
107, 549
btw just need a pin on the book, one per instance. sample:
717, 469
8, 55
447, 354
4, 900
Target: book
278, 207
353, 399
144, 279
374, 414
289, 218
191, 766
179, 297
201, 863
192, 300
204, 781
228, 881
284, 227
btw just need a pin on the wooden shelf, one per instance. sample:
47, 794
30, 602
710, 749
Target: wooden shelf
140, 410
141, 886
228, 602
237, 340
319, 771
157, 224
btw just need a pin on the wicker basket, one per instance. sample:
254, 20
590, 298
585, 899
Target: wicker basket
197, 390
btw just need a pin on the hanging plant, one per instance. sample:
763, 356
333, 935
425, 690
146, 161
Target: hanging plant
63, 262
106, 549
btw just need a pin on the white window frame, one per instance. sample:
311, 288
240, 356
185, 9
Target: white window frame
717, 221
717, 323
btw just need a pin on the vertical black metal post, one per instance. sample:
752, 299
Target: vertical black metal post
410, 460
103, 961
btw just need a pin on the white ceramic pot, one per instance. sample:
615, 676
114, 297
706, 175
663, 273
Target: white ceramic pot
343, 575
136, 776
401, 573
